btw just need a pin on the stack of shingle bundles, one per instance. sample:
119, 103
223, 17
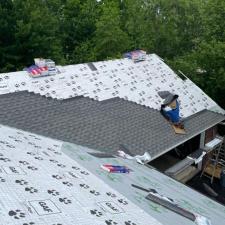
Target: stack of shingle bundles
136, 56
36, 71
42, 67
51, 66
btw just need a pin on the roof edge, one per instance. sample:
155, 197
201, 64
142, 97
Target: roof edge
186, 139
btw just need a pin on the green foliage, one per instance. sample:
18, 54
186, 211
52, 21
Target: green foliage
7, 40
136, 24
206, 66
213, 16
36, 32
77, 28
110, 39
189, 35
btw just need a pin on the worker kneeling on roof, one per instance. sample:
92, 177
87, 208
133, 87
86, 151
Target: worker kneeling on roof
170, 108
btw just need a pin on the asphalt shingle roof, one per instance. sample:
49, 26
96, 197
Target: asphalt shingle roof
100, 125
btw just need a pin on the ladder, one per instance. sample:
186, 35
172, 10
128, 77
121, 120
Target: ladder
222, 153
216, 157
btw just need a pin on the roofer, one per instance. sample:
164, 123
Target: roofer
170, 108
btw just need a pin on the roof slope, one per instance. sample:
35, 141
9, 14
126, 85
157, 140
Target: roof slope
40, 185
100, 125
152, 179
135, 82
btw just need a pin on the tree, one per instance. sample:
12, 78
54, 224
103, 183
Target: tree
110, 40
206, 67
36, 32
213, 16
211, 59
175, 27
205, 63
8, 57
77, 28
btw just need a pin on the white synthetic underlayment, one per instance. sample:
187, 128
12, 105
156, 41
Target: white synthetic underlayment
136, 82
40, 185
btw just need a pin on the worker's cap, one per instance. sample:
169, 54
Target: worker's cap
167, 96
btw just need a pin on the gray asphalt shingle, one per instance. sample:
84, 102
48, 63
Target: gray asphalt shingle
99, 125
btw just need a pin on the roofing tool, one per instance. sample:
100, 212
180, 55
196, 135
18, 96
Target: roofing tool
166, 202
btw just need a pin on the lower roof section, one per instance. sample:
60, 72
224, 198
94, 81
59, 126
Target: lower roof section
100, 125
48, 182
148, 178
39, 185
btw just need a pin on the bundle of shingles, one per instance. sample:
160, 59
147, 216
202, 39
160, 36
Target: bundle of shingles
42, 67
136, 56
